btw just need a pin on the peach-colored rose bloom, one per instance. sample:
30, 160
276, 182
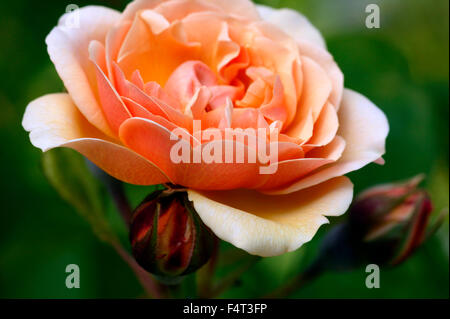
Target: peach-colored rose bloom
133, 77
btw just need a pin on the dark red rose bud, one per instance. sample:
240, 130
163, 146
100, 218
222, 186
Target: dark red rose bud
386, 224
391, 220
167, 237
373, 204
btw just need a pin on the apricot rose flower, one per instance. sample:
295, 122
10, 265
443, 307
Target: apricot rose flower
133, 77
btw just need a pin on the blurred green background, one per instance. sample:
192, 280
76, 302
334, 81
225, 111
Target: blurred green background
402, 67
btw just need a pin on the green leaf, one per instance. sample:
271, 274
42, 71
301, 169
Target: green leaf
68, 173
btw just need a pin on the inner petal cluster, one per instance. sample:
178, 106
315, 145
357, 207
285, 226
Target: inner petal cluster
205, 66
187, 61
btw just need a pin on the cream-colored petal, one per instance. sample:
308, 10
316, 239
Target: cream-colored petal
244, 8
326, 61
267, 225
293, 23
364, 128
137, 5
54, 121
67, 46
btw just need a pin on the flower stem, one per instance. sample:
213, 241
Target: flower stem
117, 193
150, 286
115, 188
206, 273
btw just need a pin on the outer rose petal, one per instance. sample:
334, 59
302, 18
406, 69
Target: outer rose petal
293, 23
364, 128
68, 49
244, 8
54, 121
272, 225
153, 141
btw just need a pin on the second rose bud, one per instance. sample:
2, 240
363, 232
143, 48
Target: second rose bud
168, 239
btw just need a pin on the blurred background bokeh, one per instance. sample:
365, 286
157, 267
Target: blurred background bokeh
402, 67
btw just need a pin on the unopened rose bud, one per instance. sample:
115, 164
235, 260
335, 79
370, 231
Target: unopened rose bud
167, 237
386, 224
374, 203
391, 220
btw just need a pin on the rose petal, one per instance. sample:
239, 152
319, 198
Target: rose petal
54, 121
315, 93
151, 103
114, 109
68, 49
294, 169
177, 10
364, 128
316, 87
271, 225
135, 6
184, 82
217, 47
326, 61
272, 49
293, 23
325, 128
138, 110
153, 141
287, 171
275, 109
244, 8
114, 40
155, 55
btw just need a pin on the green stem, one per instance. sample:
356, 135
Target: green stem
150, 286
115, 190
206, 273
117, 193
